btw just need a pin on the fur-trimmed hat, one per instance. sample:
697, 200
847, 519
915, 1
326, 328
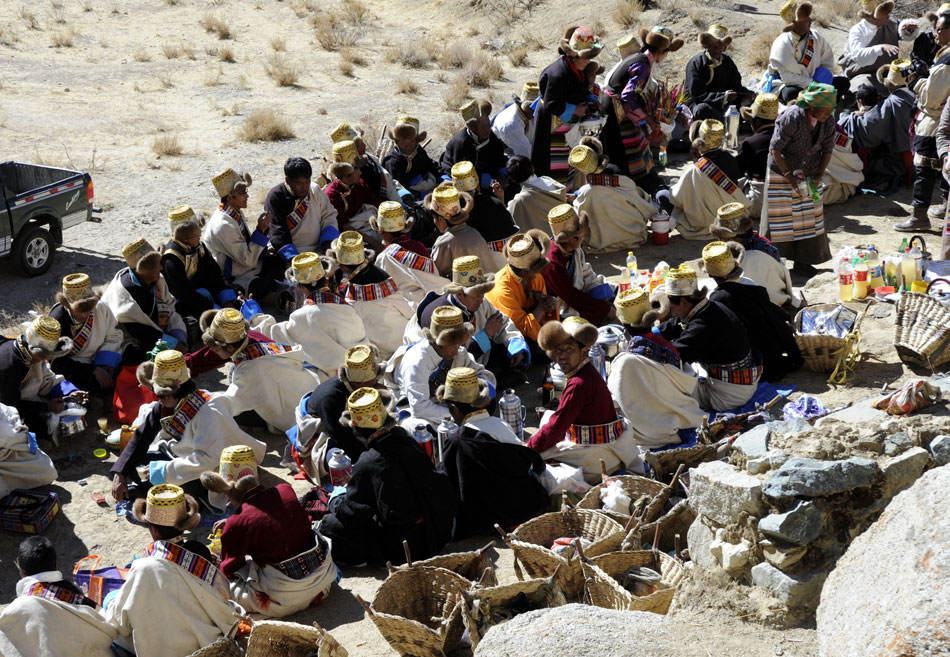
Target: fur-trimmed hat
224, 328
731, 219
469, 277
345, 152
588, 156
450, 203
660, 39
580, 42
710, 132
719, 261
448, 327
42, 337
181, 221
238, 488
682, 281
141, 255
360, 364
715, 34
463, 386
792, 12
640, 311
894, 75
229, 181
526, 250
764, 107
391, 218
344, 131
871, 9
474, 110
77, 293
628, 45
165, 374
307, 268
464, 176
553, 334
366, 408
348, 249
167, 506
405, 127
565, 222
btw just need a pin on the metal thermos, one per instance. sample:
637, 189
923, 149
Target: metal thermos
424, 438
340, 467
598, 359
447, 429
732, 127
511, 411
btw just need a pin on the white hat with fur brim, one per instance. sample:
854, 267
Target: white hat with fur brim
555, 333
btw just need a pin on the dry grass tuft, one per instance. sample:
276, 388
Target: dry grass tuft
356, 13
518, 56
627, 13
336, 28
303, 8
345, 67
406, 85
698, 18
283, 71
167, 145
456, 93
166, 81
456, 54
482, 70
8, 36
353, 57
172, 3
278, 44
226, 54
57, 13
141, 55
171, 50
215, 25
28, 17
266, 125
829, 12
409, 54
757, 56
63, 38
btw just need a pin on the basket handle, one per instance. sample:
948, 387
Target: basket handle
96, 557
365, 605
937, 280
919, 238
603, 471
405, 549
565, 502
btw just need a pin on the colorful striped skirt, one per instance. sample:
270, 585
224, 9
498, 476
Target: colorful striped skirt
560, 170
788, 216
636, 147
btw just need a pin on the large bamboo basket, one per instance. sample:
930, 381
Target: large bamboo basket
271, 638
531, 543
223, 647
471, 565
922, 329
476, 610
603, 590
661, 533
632, 485
418, 610
821, 352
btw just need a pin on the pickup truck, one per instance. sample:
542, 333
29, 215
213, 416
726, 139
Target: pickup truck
38, 203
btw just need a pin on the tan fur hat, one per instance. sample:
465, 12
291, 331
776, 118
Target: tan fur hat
894, 75
565, 223
660, 39
474, 110
77, 293
141, 255
405, 127
360, 364
224, 327
450, 203
165, 374
638, 310
448, 327
731, 219
872, 9
792, 13
526, 250
553, 334
715, 34
463, 386
348, 249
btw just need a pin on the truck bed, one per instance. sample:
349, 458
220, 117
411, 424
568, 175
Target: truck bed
20, 179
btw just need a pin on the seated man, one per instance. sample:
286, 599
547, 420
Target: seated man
760, 259
711, 182
799, 55
476, 143
350, 195
584, 430
257, 360
174, 600
568, 275
619, 210
873, 42
371, 292
451, 210
708, 334
407, 162
275, 564
377, 178
323, 326
512, 124
50, 615
26, 381
648, 381
529, 208
467, 399
845, 171
394, 494
406, 261
301, 216
22, 463
489, 216
96, 351
770, 332
496, 344
318, 427
713, 81
416, 372
191, 272
139, 299
520, 291
181, 435
754, 151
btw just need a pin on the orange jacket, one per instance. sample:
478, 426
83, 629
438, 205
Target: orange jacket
509, 297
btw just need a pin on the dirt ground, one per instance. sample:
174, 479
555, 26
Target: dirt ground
135, 71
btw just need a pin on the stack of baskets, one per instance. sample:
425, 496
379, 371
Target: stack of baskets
922, 331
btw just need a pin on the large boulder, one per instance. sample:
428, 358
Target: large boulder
721, 493
580, 631
804, 477
889, 595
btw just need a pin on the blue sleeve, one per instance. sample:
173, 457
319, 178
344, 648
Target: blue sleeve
406, 196
250, 308
61, 390
226, 295
170, 340
329, 233
205, 293
288, 251
603, 292
484, 342
823, 75
568, 113
485, 180
259, 238
107, 358
517, 346
156, 472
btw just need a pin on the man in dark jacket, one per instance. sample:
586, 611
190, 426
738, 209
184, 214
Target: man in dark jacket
394, 494
489, 215
712, 80
476, 143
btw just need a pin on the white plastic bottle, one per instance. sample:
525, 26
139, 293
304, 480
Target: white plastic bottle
632, 270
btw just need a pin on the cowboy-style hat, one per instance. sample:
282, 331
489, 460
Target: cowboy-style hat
228, 181
894, 75
715, 34
637, 309
141, 255
448, 327
77, 293
449, 203
553, 334
44, 338
307, 268
167, 506
360, 364
874, 9
765, 107
469, 277
792, 12
719, 261
682, 281
580, 42
165, 374
660, 39
731, 219
463, 386
526, 251
405, 127
711, 132
348, 249
474, 110
391, 218
565, 222
224, 328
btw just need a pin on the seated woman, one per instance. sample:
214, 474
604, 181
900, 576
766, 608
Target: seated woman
269, 552
350, 195
408, 263
618, 208
529, 207
393, 495
22, 463
585, 429
174, 600
649, 382
754, 151
712, 181
95, 355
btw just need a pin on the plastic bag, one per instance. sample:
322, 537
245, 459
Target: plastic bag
560, 477
912, 396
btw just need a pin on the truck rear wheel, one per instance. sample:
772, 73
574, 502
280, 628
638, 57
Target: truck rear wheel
33, 250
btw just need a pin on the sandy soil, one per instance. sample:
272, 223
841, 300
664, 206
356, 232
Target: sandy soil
99, 104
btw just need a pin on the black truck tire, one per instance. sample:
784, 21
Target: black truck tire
33, 250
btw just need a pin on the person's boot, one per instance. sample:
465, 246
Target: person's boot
917, 222
937, 212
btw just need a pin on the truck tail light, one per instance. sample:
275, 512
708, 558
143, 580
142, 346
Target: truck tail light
90, 194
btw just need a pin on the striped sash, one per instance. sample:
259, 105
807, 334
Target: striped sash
652, 350
304, 564
238, 218
603, 180
410, 259
174, 425
371, 292
715, 174
81, 338
193, 563
258, 349
298, 213
54, 592
324, 297
809, 53
596, 434
743, 372
842, 141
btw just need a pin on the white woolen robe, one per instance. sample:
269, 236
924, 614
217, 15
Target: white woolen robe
696, 199
105, 335
844, 173
126, 311
20, 468
529, 208
384, 320
618, 215
415, 282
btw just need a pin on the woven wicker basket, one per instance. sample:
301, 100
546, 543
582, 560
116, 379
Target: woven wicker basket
531, 543
476, 611
661, 533
632, 485
603, 590
821, 352
664, 464
922, 331
418, 610
282, 639
470, 565
223, 647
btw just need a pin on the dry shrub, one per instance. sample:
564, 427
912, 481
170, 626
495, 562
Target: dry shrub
8, 36
215, 25
473, 30
355, 12
456, 93
333, 29
141, 55
172, 3
166, 81
353, 57
406, 85
482, 70
757, 56
171, 50
56, 13
698, 18
599, 28
226, 54
63, 38
29, 18
278, 44
303, 8
266, 125
409, 54
167, 145
284, 72
828, 12
455, 54
518, 56
345, 67
627, 13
